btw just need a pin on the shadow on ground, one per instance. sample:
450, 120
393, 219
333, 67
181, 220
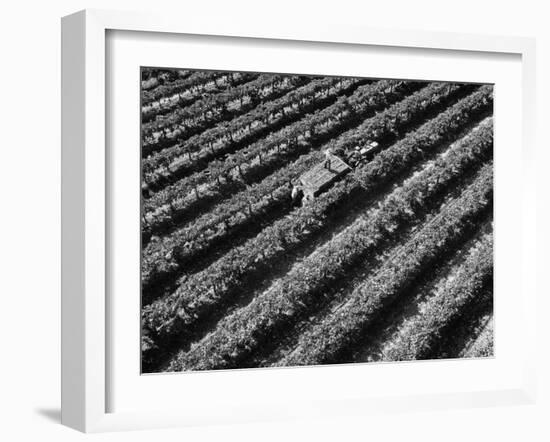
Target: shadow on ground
51, 414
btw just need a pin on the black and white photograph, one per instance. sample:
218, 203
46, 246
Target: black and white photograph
291, 220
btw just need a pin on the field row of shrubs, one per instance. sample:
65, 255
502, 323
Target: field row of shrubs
152, 78
241, 214
165, 257
164, 99
443, 127
482, 346
416, 338
439, 130
213, 109
342, 329
174, 162
256, 161
431, 99
178, 84
220, 283
295, 295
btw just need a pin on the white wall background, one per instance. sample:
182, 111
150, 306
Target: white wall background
30, 216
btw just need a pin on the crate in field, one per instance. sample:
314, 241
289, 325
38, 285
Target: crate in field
320, 178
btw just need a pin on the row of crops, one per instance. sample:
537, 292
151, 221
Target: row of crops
392, 262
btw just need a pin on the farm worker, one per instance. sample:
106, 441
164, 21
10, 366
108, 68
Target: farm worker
296, 194
353, 158
328, 158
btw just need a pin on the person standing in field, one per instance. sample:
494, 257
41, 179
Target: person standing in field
328, 157
297, 194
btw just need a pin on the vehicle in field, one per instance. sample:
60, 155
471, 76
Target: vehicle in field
320, 178
323, 175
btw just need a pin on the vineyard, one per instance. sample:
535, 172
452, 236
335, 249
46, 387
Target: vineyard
388, 258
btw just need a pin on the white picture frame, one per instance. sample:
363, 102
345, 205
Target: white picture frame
85, 307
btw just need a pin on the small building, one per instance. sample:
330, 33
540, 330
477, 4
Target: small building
319, 178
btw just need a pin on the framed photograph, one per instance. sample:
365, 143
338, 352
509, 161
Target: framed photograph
264, 222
